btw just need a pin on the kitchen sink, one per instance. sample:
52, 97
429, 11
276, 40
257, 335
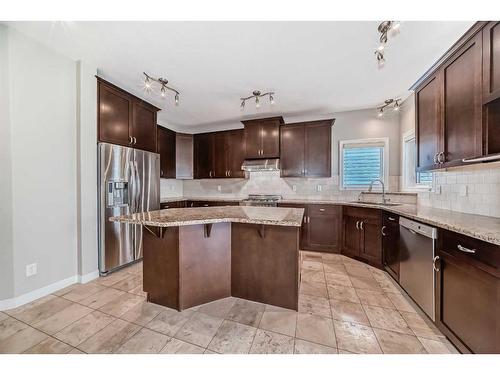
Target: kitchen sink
378, 204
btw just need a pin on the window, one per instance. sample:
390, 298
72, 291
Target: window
363, 161
413, 180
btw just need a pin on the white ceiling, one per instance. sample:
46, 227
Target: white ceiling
315, 68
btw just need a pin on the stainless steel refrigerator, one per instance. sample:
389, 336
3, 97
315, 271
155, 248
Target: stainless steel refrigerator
129, 182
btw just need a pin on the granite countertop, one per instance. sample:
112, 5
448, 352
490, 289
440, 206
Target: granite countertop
174, 217
484, 228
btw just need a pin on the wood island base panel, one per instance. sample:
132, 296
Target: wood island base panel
191, 264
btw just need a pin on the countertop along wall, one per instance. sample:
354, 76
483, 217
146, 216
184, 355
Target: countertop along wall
348, 125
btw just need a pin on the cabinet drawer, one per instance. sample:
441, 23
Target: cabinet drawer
361, 212
478, 253
323, 209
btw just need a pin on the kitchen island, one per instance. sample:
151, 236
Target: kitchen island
198, 255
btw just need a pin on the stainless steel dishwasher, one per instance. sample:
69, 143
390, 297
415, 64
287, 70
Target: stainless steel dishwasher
416, 272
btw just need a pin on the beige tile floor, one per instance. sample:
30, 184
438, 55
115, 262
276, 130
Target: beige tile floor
344, 307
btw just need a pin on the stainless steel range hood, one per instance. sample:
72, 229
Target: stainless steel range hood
260, 165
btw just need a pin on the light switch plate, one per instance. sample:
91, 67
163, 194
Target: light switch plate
294, 187
219, 188
31, 269
319, 187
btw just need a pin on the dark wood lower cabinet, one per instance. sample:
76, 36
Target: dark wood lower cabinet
362, 235
174, 204
390, 243
468, 293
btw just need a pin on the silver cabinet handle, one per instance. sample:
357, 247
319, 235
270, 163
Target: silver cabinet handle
161, 173
391, 218
130, 139
439, 158
434, 260
135, 140
305, 171
308, 219
434, 159
322, 210
357, 224
382, 230
465, 250
229, 173
361, 225
210, 174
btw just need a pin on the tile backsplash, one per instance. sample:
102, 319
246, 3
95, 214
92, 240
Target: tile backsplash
170, 188
272, 183
472, 189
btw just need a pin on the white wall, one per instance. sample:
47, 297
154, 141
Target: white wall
6, 238
43, 140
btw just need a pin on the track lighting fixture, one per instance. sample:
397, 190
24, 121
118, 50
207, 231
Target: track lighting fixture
257, 95
163, 89
395, 103
385, 28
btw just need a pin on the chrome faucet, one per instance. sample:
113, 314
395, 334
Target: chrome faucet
384, 201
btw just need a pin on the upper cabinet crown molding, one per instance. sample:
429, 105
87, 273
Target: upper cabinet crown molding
125, 119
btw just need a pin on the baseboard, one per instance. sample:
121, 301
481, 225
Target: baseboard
12, 303
83, 279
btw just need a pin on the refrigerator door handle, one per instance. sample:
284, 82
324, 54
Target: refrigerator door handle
137, 188
132, 188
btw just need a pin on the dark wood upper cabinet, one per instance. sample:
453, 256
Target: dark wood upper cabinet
167, 149
462, 103
125, 119
292, 150
306, 149
491, 61
114, 115
219, 154
428, 123
235, 153
262, 137
203, 155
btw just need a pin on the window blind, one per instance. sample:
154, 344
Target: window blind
362, 164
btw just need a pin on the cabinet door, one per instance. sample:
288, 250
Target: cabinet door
324, 227
468, 305
351, 236
270, 133
220, 155
462, 103
114, 115
428, 123
236, 153
167, 150
371, 241
144, 126
253, 140
203, 149
491, 61
318, 149
390, 244
292, 151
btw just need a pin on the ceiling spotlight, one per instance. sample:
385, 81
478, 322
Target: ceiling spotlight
148, 83
384, 28
395, 103
257, 95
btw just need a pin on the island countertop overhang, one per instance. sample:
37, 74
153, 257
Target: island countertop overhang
174, 217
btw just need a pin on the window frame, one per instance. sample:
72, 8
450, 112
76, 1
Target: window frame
408, 135
385, 163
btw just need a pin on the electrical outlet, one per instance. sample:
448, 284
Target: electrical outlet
219, 188
31, 269
319, 187
294, 187
463, 191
